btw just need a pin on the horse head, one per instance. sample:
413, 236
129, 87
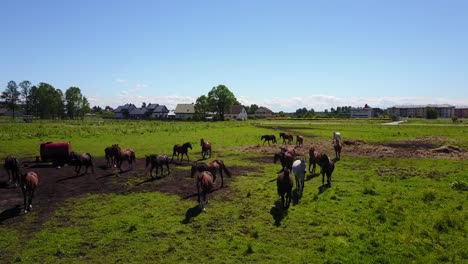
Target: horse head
188, 145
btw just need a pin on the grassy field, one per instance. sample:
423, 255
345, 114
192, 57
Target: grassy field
379, 210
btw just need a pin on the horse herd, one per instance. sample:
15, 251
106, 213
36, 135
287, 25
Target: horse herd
207, 171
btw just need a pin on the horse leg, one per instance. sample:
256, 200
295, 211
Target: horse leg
323, 177
23, 190
198, 190
31, 195
167, 165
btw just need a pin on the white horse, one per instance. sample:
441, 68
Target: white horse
299, 169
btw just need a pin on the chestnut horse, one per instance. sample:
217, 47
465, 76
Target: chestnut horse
268, 138
127, 154
286, 158
284, 184
206, 148
286, 136
181, 149
12, 167
314, 158
299, 140
337, 147
28, 183
204, 186
111, 155
214, 167
82, 159
157, 161
327, 168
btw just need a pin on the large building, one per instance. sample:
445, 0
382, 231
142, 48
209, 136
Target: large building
361, 112
263, 112
420, 111
184, 111
461, 111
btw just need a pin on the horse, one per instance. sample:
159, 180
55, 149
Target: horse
206, 148
28, 183
157, 161
299, 140
327, 168
214, 167
127, 154
299, 169
336, 135
268, 138
314, 158
285, 157
111, 155
337, 146
82, 159
284, 184
12, 167
181, 149
286, 136
204, 186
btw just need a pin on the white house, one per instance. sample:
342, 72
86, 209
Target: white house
263, 112
184, 111
361, 112
237, 112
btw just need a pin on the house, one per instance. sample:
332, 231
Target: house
160, 112
8, 112
123, 111
184, 111
138, 113
263, 112
237, 112
461, 111
420, 111
361, 112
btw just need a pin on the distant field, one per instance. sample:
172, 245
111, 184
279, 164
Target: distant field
394, 197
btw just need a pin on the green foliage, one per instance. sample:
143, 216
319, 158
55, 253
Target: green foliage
11, 96
221, 99
431, 113
459, 185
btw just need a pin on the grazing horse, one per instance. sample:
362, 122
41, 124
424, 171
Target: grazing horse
286, 136
284, 184
314, 158
111, 155
204, 186
327, 168
181, 149
12, 166
206, 148
268, 138
214, 167
157, 161
128, 155
337, 146
299, 140
28, 182
285, 157
82, 159
299, 169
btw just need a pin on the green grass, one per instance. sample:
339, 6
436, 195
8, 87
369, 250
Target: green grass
377, 211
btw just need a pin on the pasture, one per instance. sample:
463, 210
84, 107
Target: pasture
398, 196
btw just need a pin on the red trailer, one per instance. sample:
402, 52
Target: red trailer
56, 152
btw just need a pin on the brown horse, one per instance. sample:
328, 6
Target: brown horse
214, 167
314, 158
286, 137
204, 186
327, 168
181, 149
28, 183
206, 148
284, 184
268, 138
12, 167
337, 147
286, 158
111, 155
157, 161
82, 159
128, 155
299, 140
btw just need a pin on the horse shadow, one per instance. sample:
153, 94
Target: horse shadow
71, 177
10, 213
311, 176
323, 188
192, 213
295, 197
278, 212
151, 179
4, 185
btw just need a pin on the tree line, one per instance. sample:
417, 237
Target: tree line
45, 101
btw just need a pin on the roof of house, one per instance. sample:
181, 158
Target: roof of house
161, 109
125, 107
235, 110
152, 106
423, 106
185, 109
138, 111
262, 108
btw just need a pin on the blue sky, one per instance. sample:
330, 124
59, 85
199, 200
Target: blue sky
281, 54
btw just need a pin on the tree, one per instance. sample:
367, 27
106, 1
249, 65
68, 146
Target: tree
47, 101
74, 102
251, 110
84, 107
11, 96
202, 107
220, 99
431, 113
26, 94
143, 105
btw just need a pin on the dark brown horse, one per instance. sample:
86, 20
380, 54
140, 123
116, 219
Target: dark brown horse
28, 183
337, 147
299, 140
286, 158
284, 184
181, 149
314, 158
268, 138
157, 161
215, 167
79, 160
328, 166
206, 148
286, 137
204, 186
111, 155
12, 167
128, 155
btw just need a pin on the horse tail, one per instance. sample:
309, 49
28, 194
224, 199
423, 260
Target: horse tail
91, 161
224, 168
